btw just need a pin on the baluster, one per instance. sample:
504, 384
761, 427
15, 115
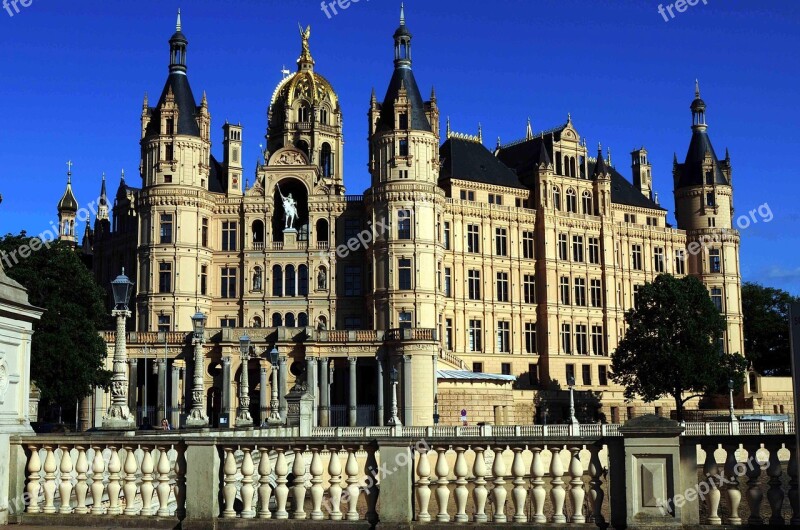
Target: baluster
299, 490
519, 493
423, 488
793, 487
442, 491
49, 480
711, 469
479, 493
461, 469
596, 493
248, 469
557, 493
180, 481
317, 491
114, 483
576, 490
81, 487
371, 488
734, 495
537, 491
34, 467
146, 488
264, 488
351, 468
163, 481
499, 491
754, 493
335, 489
65, 488
775, 492
229, 469
129, 488
98, 472
281, 490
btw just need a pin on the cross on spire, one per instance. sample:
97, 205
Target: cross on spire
69, 171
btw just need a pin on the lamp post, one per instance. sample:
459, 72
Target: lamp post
274, 414
730, 389
394, 420
571, 384
243, 416
436, 409
118, 416
197, 417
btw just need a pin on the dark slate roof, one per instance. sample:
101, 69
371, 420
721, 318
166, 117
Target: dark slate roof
525, 156
419, 120
217, 179
690, 173
187, 107
600, 167
471, 161
623, 192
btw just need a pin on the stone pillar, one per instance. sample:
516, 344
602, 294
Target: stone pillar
311, 375
397, 486
161, 400
225, 411
379, 375
408, 391
86, 413
174, 416
263, 397
133, 386
324, 393
202, 482
352, 396
282, 385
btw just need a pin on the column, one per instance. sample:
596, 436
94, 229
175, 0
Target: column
408, 411
282, 385
352, 402
263, 397
379, 368
311, 384
133, 388
226, 392
324, 393
174, 415
161, 401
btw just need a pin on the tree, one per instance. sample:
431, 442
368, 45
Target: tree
67, 353
672, 347
766, 328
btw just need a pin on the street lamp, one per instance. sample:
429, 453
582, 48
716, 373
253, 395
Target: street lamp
394, 420
571, 384
436, 409
197, 416
730, 389
243, 416
118, 416
274, 414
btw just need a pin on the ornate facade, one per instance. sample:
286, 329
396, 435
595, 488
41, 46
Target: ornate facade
510, 267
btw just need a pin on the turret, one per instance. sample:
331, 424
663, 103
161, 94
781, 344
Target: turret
67, 212
232, 158
642, 172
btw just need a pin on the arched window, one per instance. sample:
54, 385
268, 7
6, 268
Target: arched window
322, 231
323, 116
302, 320
277, 281
556, 198
277, 320
586, 199
572, 171
290, 279
326, 161
258, 231
572, 201
302, 280
566, 165
290, 320
256, 322
303, 114
258, 279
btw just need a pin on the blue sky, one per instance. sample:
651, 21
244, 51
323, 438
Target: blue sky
74, 75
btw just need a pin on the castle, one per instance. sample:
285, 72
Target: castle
480, 282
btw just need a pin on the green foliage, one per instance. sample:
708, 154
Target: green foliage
766, 328
672, 344
67, 354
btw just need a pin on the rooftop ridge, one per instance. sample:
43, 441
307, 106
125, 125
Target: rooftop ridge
464, 136
558, 128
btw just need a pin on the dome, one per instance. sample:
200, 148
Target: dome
68, 202
307, 85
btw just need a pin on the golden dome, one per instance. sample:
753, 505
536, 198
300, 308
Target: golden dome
307, 85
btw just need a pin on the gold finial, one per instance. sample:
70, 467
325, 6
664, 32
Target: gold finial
305, 54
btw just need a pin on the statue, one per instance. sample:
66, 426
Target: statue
257, 280
289, 209
305, 35
322, 279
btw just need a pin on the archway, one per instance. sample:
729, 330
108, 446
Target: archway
294, 188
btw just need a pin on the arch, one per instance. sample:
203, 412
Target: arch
323, 116
258, 279
302, 280
322, 231
303, 113
277, 320
302, 320
290, 322
326, 160
322, 322
257, 322
572, 201
586, 199
294, 188
258, 231
556, 198
289, 282
277, 280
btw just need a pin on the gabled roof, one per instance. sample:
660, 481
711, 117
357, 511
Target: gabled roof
404, 77
184, 100
471, 161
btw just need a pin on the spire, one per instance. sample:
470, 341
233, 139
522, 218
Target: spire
696, 89
480, 133
448, 130
102, 208
402, 42
608, 155
600, 169
433, 93
146, 102
529, 130
178, 23
68, 202
402, 14
698, 109
499, 145
122, 176
177, 49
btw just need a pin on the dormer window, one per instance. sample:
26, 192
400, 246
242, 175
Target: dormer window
403, 121
170, 127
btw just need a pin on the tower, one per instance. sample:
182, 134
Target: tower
704, 208
102, 224
232, 157
67, 211
642, 172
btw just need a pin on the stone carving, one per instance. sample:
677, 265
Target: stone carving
289, 158
289, 209
322, 279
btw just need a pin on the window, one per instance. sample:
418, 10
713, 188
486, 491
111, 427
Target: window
477, 368
404, 224
714, 262
529, 288
448, 334
164, 323
323, 116
228, 282
446, 240
303, 114
290, 277
563, 284
556, 198
170, 152
533, 374
502, 287
227, 322
636, 289
403, 121
658, 257
581, 339
405, 320
277, 320
501, 241
166, 228
586, 201
527, 244
505, 368
712, 222
602, 375
204, 280
352, 280
290, 322
448, 282
710, 200
302, 281
652, 221
204, 232
636, 257
467, 195
563, 250
494, 198
403, 147
165, 277
475, 335
170, 126
630, 218
530, 337
473, 239
577, 249
572, 201
277, 281
598, 342
229, 236
596, 293
474, 284
586, 372
352, 323
594, 250
503, 336
680, 262
570, 373
404, 274
566, 339
716, 297
580, 291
